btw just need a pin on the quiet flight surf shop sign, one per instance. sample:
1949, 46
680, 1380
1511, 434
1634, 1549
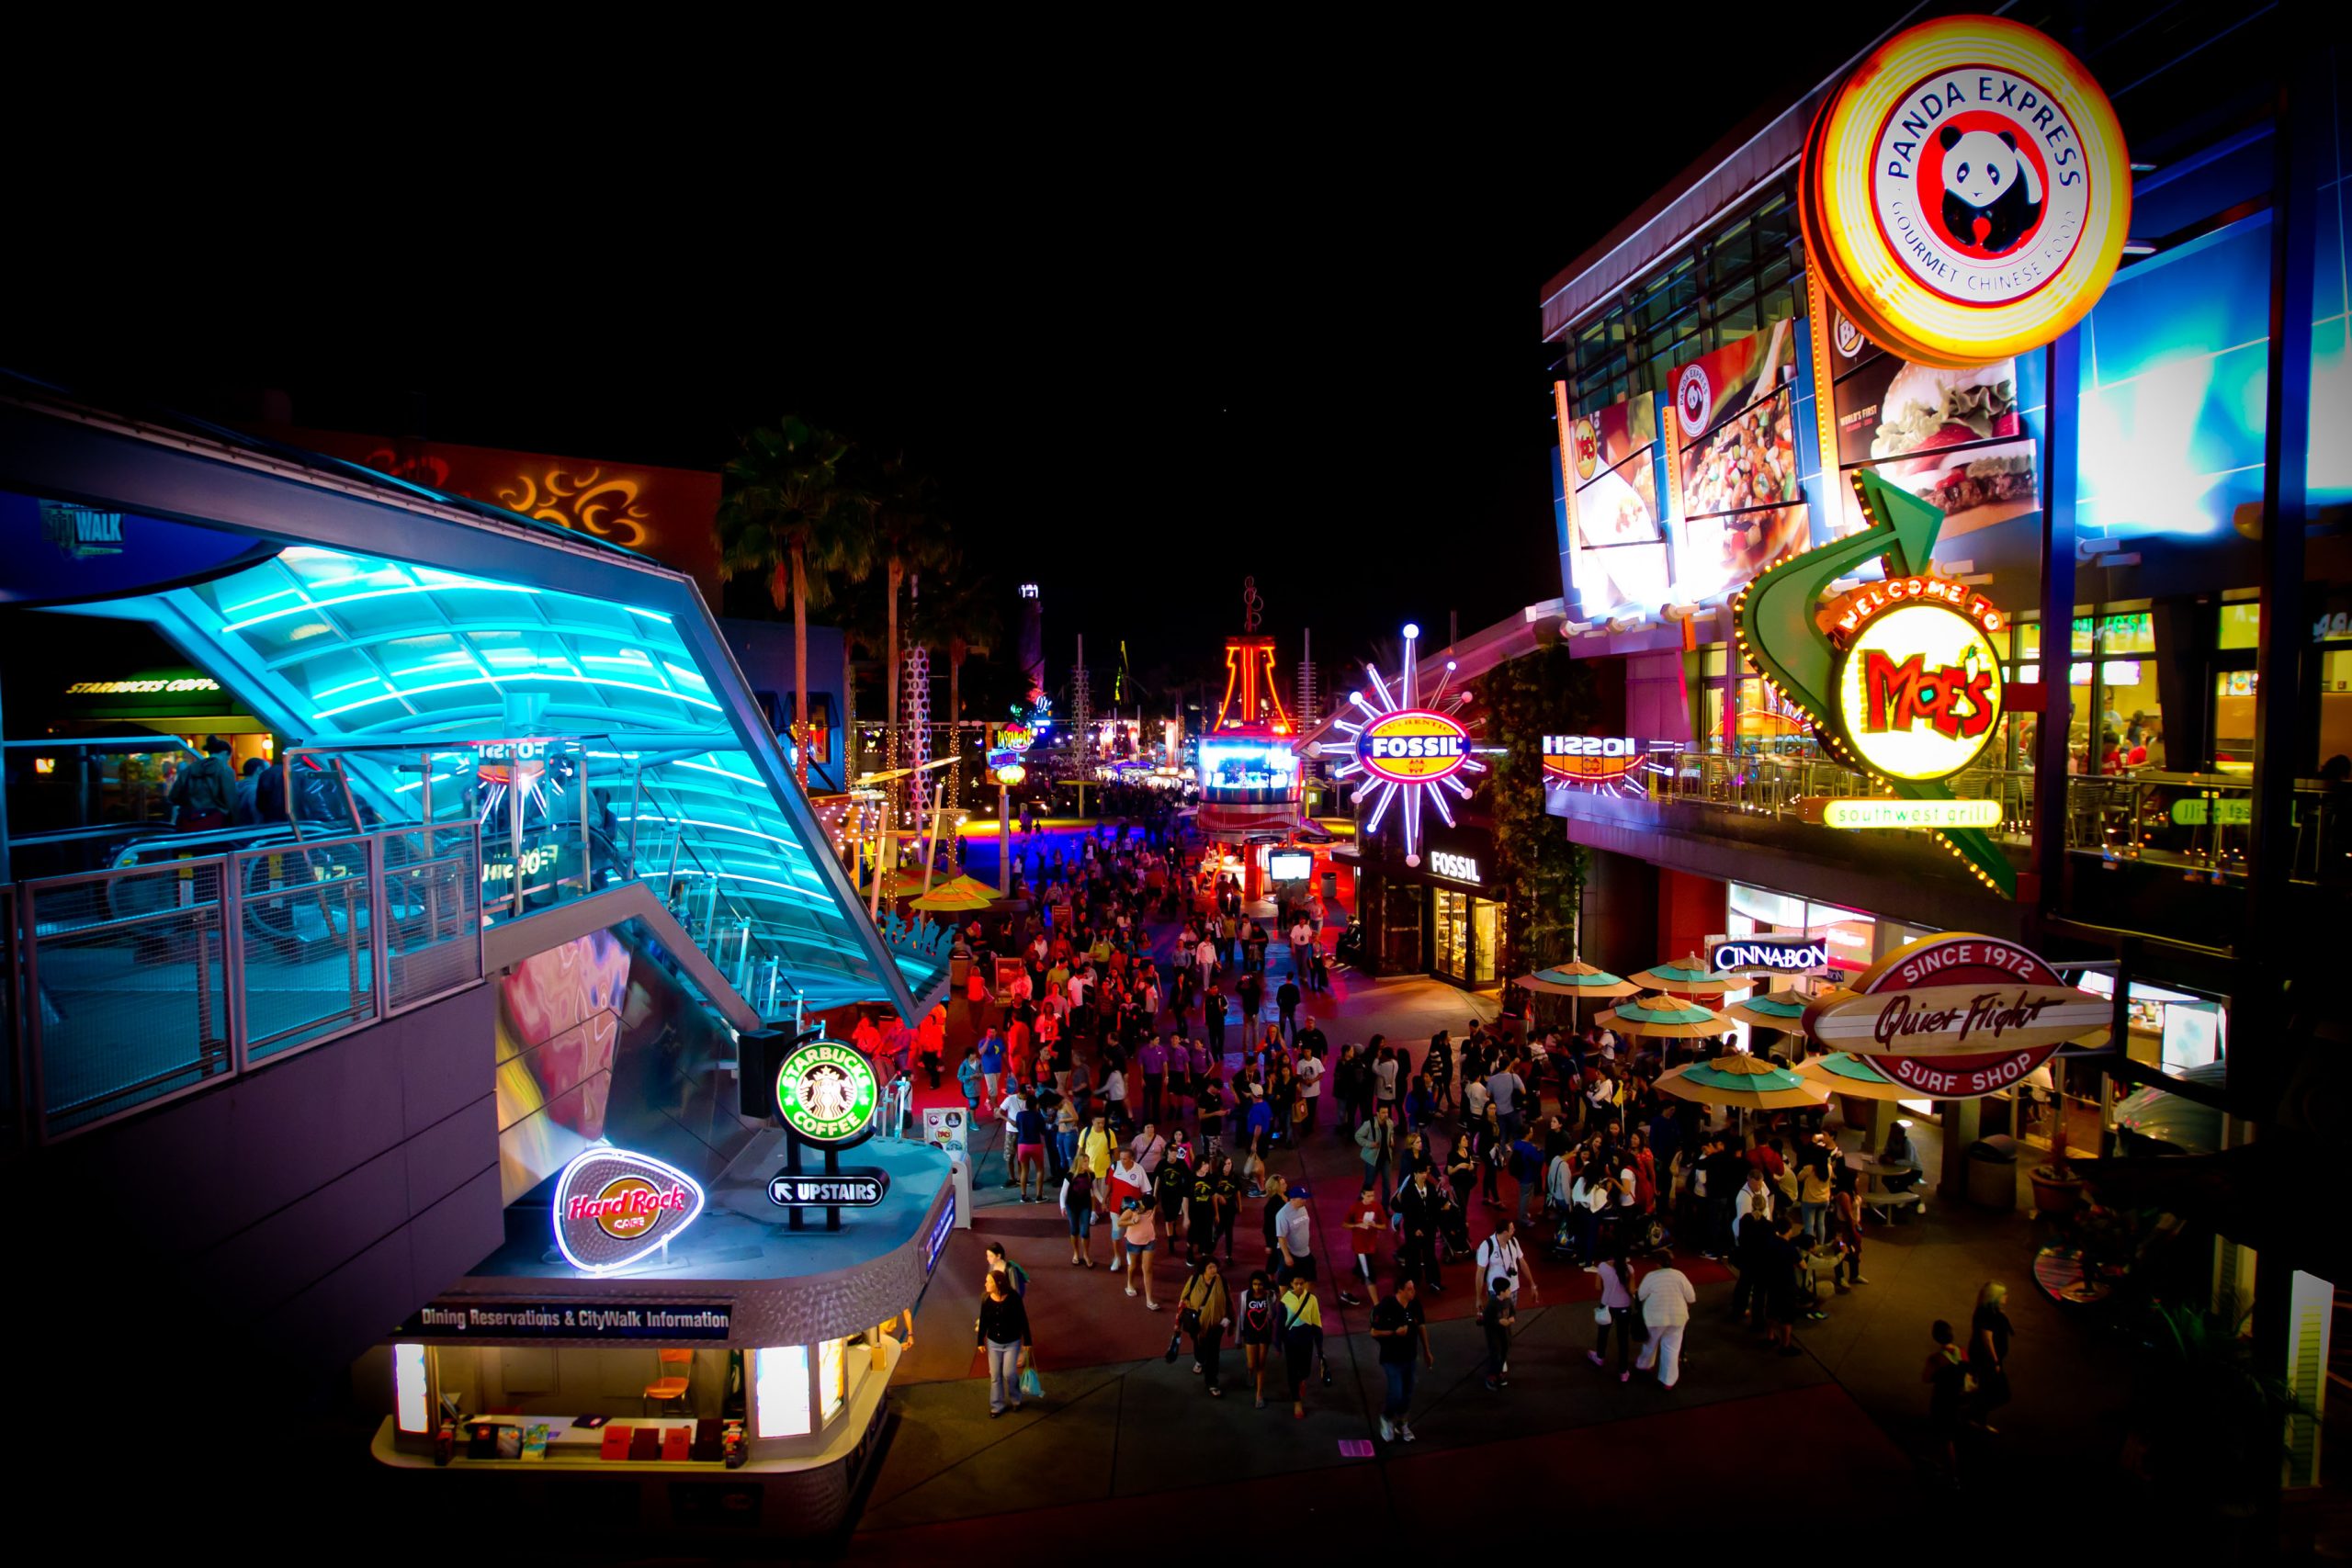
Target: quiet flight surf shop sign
1958, 1015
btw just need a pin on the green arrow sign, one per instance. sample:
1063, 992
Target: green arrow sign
1780, 635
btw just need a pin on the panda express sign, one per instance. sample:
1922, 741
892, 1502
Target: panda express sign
1958, 1015
1967, 191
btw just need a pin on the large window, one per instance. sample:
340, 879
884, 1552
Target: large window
1743, 276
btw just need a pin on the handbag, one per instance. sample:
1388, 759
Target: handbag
1600, 1315
1031, 1386
1175, 1344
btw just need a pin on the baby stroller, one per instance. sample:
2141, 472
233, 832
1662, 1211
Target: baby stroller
1453, 1233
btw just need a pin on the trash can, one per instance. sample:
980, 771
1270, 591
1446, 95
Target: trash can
1993, 1173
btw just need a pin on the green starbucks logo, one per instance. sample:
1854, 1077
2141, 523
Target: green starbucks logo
826, 1092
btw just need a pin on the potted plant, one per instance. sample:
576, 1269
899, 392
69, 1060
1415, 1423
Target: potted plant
2056, 1189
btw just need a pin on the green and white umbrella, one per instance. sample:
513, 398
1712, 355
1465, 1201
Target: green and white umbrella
1576, 979
1690, 977
1741, 1082
1776, 1009
1664, 1018
1844, 1073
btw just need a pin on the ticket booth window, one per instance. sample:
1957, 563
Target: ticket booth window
833, 1378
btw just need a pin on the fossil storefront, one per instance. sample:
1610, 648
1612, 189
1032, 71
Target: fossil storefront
1439, 917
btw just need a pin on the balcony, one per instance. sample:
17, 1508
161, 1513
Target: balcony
2162, 853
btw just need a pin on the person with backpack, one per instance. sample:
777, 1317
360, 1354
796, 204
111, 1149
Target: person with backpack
1496, 1316
1501, 1253
1077, 1207
999, 1263
204, 792
1204, 1311
1376, 1144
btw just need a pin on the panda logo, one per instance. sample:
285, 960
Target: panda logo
1992, 192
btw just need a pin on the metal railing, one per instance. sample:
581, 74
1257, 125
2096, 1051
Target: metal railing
139, 984
2198, 821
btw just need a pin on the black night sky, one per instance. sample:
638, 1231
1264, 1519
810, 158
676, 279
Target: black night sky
1291, 335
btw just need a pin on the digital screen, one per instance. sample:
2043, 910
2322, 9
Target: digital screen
1247, 764
1290, 867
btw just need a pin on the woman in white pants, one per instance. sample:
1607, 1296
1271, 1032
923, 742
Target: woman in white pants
1666, 1298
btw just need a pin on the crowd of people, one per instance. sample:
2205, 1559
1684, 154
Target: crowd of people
1150, 1101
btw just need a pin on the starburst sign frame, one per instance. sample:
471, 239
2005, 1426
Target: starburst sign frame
1412, 747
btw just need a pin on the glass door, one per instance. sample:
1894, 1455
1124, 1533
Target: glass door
1449, 954
1485, 940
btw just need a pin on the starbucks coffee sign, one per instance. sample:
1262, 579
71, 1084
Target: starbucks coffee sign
826, 1092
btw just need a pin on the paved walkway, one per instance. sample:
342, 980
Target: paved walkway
1120, 1426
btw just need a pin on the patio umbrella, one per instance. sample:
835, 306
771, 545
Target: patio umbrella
1664, 1018
1849, 1074
958, 894
1575, 980
1690, 977
1783, 1011
1742, 1082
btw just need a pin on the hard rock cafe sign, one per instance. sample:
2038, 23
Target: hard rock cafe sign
1958, 1015
613, 1206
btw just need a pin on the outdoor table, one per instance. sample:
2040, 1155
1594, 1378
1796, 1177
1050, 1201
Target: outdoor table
1876, 1194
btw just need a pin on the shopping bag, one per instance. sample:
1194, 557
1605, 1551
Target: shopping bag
1032, 1387
1175, 1346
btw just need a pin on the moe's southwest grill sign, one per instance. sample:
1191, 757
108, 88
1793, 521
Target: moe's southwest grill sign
1958, 1015
1966, 191
826, 1092
1917, 682
1413, 746
613, 1206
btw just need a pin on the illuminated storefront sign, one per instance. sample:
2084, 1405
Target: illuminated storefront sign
936, 1242
1767, 954
613, 1207
1461, 868
134, 688
1957, 1016
1966, 191
826, 1092
1408, 749
1918, 683
1871, 812
2228, 811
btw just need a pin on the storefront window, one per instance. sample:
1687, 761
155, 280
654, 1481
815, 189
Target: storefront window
2117, 722
2240, 626
2234, 721
2335, 704
1452, 956
780, 1384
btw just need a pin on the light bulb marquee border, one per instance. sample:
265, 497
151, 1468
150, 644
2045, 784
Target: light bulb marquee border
1776, 620
1391, 713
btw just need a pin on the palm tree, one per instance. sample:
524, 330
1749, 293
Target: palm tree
788, 510
907, 535
961, 615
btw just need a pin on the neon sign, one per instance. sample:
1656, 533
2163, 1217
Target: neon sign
1608, 764
1770, 955
1462, 868
613, 1206
1408, 749
1967, 191
826, 1093
1958, 1015
1919, 689
1867, 813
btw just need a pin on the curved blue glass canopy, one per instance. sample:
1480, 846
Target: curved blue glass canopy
449, 626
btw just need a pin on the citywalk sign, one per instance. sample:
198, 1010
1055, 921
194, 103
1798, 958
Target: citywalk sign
1958, 1015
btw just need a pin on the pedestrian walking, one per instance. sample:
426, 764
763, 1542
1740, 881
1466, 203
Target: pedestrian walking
1403, 1335
1614, 1313
1002, 1330
1947, 1377
1295, 1235
1137, 1234
1665, 1297
1205, 1312
1367, 1222
1078, 1208
1988, 1352
1496, 1316
1259, 1310
1301, 1329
